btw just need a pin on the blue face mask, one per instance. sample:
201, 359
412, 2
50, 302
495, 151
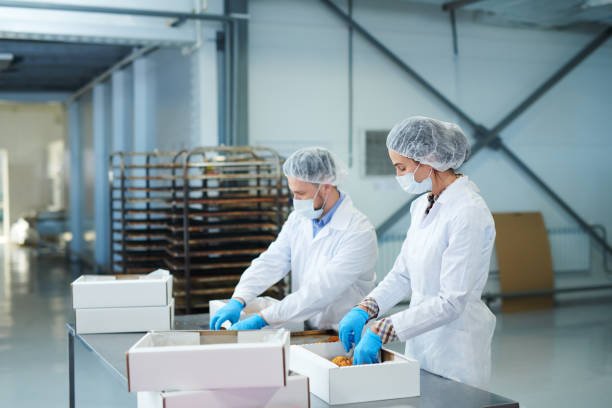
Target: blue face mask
306, 207
410, 185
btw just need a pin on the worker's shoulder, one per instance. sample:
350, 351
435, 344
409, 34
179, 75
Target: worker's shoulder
359, 222
293, 218
471, 205
295, 222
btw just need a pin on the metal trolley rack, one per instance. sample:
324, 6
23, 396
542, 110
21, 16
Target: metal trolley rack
203, 214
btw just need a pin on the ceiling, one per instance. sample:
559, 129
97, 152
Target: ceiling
53, 66
65, 67
540, 13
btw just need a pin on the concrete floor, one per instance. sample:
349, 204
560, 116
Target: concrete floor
35, 304
560, 358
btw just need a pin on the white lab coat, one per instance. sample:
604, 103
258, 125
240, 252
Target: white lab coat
443, 265
330, 273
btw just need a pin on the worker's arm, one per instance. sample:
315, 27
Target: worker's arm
394, 287
356, 254
468, 235
269, 267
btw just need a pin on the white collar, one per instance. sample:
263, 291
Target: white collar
342, 217
454, 189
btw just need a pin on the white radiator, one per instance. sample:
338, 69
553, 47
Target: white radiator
570, 251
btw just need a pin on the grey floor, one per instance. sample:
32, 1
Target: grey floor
560, 358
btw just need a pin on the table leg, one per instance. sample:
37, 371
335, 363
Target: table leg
71, 368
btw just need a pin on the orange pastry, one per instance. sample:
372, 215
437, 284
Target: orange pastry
342, 361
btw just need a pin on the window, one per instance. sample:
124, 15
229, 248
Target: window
377, 160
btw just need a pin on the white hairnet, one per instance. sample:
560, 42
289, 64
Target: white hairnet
315, 165
441, 145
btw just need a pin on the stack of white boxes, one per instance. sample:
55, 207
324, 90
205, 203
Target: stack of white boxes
123, 303
229, 369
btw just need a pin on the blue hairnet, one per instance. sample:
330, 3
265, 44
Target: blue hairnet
441, 145
315, 165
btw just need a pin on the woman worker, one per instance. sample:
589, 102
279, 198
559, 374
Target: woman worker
443, 263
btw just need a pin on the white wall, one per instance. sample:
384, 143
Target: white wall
25, 132
299, 96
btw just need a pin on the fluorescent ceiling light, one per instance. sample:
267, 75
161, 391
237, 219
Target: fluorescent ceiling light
596, 3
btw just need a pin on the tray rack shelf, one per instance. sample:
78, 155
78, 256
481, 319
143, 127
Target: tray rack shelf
203, 214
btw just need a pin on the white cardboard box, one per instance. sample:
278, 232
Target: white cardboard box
125, 319
254, 307
97, 291
202, 360
396, 377
295, 395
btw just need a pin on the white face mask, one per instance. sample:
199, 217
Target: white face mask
306, 207
410, 185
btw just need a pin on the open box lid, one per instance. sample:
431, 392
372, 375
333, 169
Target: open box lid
322, 353
161, 339
159, 274
197, 360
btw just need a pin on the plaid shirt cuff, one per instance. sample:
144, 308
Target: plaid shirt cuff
370, 306
384, 328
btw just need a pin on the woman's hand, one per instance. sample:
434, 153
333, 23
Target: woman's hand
351, 326
366, 352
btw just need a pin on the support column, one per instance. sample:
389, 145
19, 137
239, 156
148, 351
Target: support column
237, 46
77, 195
144, 95
101, 141
207, 89
122, 107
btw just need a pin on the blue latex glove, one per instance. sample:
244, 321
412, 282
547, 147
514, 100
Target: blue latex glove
254, 322
230, 312
366, 352
351, 326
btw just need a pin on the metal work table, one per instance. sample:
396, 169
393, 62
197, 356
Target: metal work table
97, 376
